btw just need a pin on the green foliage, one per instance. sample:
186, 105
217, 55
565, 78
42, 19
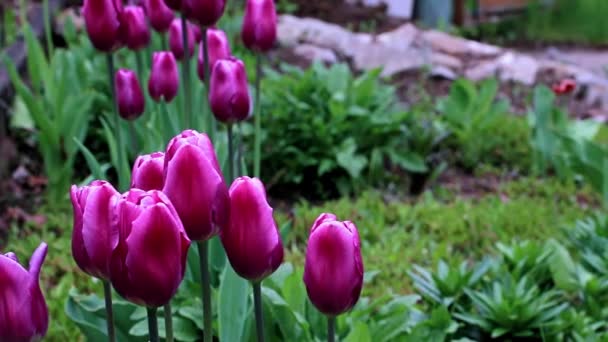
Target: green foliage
330, 131
482, 129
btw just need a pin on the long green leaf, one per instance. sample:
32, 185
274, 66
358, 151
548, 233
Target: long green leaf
233, 305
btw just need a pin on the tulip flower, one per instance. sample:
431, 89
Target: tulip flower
259, 31
176, 43
148, 172
196, 31
175, 5
195, 185
333, 271
129, 96
203, 12
160, 14
251, 238
565, 86
102, 21
23, 312
91, 247
218, 48
164, 78
229, 92
135, 31
149, 260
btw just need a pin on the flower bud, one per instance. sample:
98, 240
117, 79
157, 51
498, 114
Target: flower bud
102, 21
160, 15
229, 92
24, 315
203, 12
333, 271
148, 172
195, 185
218, 48
129, 96
134, 26
251, 238
149, 260
175, 5
164, 78
176, 41
259, 31
91, 247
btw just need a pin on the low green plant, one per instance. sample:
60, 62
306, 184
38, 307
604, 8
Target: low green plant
330, 131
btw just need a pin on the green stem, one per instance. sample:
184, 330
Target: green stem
168, 323
133, 134
122, 179
259, 312
239, 154
139, 60
186, 74
107, 294
331, 329
47, 27
257, 117
163, 40
230, 154
203, 254
152, 325
211, 124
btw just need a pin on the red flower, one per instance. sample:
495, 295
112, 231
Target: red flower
563, 87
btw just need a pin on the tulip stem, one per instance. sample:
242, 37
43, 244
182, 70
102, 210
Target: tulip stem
168, 323
239, 154
163, 41
230, 154
186, 73
203, 254
139, 60
259, 312
331, 328
107, 293
206, 80
122, 179
257, 119
133, 134
152, 325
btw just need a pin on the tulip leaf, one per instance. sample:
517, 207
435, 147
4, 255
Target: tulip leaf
360, 333
233, 305
92, 162
349, 160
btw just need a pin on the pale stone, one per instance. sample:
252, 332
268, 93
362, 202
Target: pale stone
518, 67
482, 71
314, 53
438, 58
458, 46
400, 38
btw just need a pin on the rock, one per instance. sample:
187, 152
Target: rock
482, 70
400, 38
391, 60
293, 30
313, 53
442, 59
517, 67
442, 72
457, 46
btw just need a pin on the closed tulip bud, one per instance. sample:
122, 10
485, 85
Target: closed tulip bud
160, 14
102, 21
175, 5
164, 78
218, 48
251, 238
333, 271
259, 31
149, 260
229, 92
135, 31
23, 312
129, 96
195, 185
176, 41
91, 247
203, 12
148, 172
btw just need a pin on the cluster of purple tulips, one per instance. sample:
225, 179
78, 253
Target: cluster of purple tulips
137, 241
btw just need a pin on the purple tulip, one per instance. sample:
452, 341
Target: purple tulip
251, 238
175, 5
149, 260
91, 247
229, 92
23, 312
148, 172
195, 185
218, 48
333, 272
129, 96
204, 12
196, 31
164, 78
134, 26
102, 21
176, 41
160, 14
259, 31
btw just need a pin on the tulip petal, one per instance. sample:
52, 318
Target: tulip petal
96, 231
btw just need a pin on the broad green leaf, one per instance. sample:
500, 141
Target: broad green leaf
360, 333
233, 305
92, 162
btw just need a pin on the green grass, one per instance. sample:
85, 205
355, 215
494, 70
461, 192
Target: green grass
398, 234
